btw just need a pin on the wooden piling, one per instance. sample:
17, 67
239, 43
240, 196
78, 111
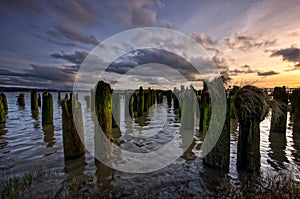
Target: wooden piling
4, 101
296, 114
73, 131
205, 111
103, 107
116, 110
219, 156
2, 111
47, 108
232, 96
169, 98
39, 100
252, 105
87, 100
187, 109
279, 123
21, 99
140, 110
34, 100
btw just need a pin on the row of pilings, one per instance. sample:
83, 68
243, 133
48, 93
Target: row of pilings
250, 105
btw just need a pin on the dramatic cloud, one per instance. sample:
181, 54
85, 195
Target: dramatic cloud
66, 31
247, 43
245, 69
76, 58
291, 54
145, 56
268, 73
83, 12
203, 39
26, 7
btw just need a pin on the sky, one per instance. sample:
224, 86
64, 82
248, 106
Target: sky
43, 43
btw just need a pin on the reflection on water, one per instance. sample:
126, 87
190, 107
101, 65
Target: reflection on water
25, 145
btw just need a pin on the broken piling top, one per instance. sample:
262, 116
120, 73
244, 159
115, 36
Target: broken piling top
279, 113
280, 94
34, 100
47, 108
4, 101
103, 105
252, 103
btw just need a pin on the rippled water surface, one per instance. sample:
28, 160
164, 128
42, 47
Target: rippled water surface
26, 145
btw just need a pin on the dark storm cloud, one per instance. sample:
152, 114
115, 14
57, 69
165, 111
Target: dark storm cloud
71, 33
145, 56
41, 76
268, 73
76, 58
83, 12
291, 54
246, 43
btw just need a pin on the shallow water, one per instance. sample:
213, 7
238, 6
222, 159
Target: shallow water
25, 145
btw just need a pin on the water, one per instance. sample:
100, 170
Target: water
25, 145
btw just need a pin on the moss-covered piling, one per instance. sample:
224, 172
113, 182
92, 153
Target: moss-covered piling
34, 100
73, 131
103, 107
2, 111
4, 101
252, 106
47, 108
279, 123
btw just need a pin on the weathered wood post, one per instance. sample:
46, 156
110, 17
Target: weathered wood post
146, 101
87, 100
39, 100
103, 105
34, 100
219, 156
169, 98
140, 110
175, 99
66, 96
2, 111
134, 99
278, 123
187, 109
47, 108
73, 131
252, 106
293, 97
296, 114
232, 96
116, 110
21, 99
92, 99
204, 107
58, 96
4, 101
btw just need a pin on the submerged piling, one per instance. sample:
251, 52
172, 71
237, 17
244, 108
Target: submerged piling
4, 101
34, 100
279, 123
47, 108
103, 105
73, 131
252, 106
